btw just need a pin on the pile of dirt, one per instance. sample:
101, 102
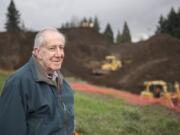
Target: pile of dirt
154, 59
83, 46
15, 49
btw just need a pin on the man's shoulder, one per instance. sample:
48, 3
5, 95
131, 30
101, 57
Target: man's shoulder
23, 71
21, 74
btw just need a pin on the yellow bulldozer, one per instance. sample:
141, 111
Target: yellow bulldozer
111, 63
159, 89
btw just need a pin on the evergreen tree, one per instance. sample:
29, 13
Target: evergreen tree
178, 27
62, 26
162, 25
90, 20
170, 24
119, 37
13, 18
96, 24
84, 20
108, 32
126, 36
67, 25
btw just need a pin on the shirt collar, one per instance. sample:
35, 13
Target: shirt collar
42, 75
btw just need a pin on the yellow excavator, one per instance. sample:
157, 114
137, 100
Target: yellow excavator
111, 63
159, 89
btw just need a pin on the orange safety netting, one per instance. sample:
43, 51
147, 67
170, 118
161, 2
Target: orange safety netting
127, 96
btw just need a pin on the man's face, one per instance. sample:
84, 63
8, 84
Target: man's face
51, 54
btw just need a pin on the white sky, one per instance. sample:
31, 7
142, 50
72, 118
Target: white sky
142, 16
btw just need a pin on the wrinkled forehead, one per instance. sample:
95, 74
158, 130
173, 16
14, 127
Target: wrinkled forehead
53, 35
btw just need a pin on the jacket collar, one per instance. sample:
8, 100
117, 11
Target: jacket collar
40, 75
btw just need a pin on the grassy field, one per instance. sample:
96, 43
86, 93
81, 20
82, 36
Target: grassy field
105, 115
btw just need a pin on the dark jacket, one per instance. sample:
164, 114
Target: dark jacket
32, 105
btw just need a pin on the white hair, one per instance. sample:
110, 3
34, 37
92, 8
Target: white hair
40, 36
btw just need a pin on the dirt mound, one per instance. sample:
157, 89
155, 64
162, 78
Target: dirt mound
156, 58
15, 49
83, 46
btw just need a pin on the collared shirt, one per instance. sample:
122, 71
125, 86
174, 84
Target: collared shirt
52, 76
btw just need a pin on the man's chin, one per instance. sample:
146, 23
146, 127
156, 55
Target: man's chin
56, 68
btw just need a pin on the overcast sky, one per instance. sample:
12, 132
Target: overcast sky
141, 15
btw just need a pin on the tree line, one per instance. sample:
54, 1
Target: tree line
14, 24
169, 25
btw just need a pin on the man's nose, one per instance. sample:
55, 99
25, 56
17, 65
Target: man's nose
59, 52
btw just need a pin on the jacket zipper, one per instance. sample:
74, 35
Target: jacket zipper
59, 90
65, 119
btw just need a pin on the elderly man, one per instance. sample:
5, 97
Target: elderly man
36, 100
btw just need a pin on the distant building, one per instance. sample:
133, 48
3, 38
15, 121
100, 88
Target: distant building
86, 23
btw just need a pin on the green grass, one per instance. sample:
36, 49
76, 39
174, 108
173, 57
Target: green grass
3, 77
105, 115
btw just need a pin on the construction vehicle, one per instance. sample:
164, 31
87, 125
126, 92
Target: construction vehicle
176, 96
111, 63
159, 89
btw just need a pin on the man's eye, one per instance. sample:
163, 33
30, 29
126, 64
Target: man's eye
61, 47
51, 48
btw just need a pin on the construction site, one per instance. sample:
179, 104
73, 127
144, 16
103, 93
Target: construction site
90, 56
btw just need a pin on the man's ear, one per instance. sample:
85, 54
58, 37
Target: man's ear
36, 52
